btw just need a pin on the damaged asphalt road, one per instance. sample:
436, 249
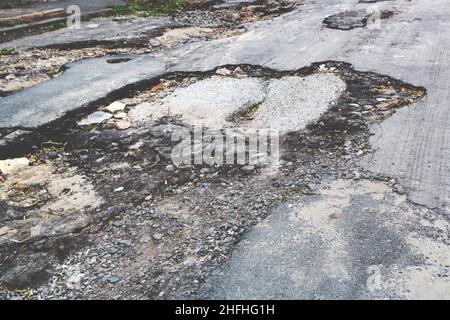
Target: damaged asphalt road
131, 170
373, 162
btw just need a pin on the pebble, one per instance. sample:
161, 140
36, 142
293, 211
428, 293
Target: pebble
399, 189
95, 118
248, 168
170, 168
223, 72
125, 242
113, 279
144, 239
118, 223
123, 124
11, 166
120, 115
204, 170
115, 106
52, 155
157, 236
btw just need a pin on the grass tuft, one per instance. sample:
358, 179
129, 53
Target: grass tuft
148, 8
7, 52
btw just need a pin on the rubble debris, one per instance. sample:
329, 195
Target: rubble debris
135, 163
95, 118
42, 208
388, 104
115, 107
28, 270
141, 112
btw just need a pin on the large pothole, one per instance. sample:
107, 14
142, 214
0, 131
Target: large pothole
324, 108
349, 20
210, 102
284, 104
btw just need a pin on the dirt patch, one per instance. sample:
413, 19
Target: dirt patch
42, 206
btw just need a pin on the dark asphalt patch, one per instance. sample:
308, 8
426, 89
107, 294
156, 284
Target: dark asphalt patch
349, 20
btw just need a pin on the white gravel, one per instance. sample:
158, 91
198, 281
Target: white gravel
293, 102
286, 104
211, 101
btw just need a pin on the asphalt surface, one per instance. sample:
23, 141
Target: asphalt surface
412, 45
80, 85
101, 31
350, 241
397, 260
85, 5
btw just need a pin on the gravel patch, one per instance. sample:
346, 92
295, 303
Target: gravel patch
293, 102
217, 95
284, 104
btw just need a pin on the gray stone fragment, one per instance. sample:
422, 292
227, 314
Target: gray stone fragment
125, 242
95, 118
113, 279
158, 236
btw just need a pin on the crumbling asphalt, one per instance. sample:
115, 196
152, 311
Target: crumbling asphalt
130, 172
119, 32
165, 230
